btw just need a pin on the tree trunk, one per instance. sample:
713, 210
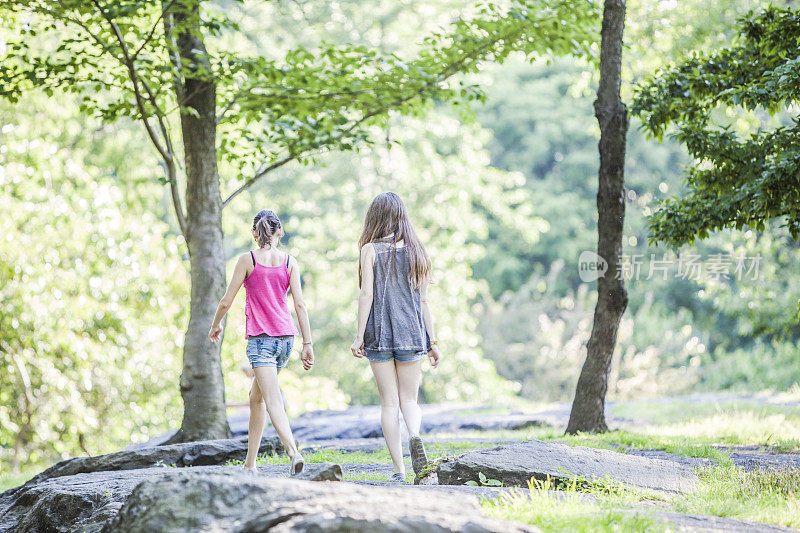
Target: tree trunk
202, 387
588, 408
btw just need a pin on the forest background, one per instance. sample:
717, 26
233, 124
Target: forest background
94, 300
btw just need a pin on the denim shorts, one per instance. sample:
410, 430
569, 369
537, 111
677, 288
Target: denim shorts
401, 356
269, 351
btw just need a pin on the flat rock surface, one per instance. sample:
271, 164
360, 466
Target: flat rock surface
85, 501
197, 501
516, 464
79, 502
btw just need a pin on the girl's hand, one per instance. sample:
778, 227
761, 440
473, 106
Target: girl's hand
434, 356
214, 333
307, 356
358, 348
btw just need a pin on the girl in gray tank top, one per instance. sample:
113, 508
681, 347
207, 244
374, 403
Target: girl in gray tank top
395, 326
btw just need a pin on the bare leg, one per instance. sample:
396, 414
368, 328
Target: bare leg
267, 377
258, 417
386, 378
408, 378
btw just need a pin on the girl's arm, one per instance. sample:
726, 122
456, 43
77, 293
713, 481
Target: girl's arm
307, 353
427, 317
239, 273
364, 297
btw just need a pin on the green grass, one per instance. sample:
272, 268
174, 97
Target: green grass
771, 496
737, 422
622, 440
571, 512
617, 440
689, 429
726, 491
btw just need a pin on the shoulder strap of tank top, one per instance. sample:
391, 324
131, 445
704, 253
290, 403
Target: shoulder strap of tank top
253, 258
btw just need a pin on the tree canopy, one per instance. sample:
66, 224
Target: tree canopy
270, 111
739, 178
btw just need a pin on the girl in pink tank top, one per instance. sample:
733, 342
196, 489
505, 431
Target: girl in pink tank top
267, 275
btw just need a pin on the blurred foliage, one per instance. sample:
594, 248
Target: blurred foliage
555, 147
538, 337
92, 306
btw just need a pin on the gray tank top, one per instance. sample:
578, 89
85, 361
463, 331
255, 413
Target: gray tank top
395, 321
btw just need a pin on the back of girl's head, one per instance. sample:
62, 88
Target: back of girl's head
265, 226
387, 221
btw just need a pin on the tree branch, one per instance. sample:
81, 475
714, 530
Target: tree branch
135, 81
75, 21
152, 30
441, 76
258, 175
166, 152
172, 178
229, 105
174, 58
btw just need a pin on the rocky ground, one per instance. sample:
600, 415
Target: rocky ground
194, 487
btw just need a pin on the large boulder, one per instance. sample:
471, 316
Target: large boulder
80, 502
97, 486
221, 502
85, 502
516, 464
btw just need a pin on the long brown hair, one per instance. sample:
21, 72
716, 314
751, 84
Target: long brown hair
387, 221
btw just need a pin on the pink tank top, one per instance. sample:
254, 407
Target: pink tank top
266, 310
